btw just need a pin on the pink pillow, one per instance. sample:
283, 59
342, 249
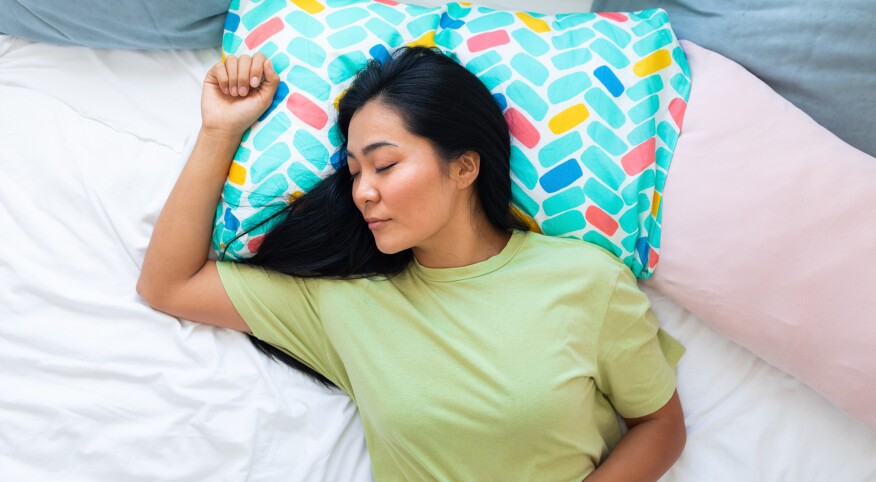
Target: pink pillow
769, 233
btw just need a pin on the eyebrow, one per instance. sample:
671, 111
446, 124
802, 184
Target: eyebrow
371, 147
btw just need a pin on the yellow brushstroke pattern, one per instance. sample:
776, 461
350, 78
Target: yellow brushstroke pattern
536, 24
655, 204
652, 63
427, 40
310, 6
568, 118
237, 174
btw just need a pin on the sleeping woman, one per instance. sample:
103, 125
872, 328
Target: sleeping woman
473, 349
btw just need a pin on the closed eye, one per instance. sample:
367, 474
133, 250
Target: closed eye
382, 169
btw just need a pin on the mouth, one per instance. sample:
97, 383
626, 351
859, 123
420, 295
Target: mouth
376, 223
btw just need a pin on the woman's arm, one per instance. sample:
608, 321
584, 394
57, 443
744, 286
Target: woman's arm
650, 447
176, 276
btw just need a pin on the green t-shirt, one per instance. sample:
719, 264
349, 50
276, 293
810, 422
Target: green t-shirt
508, 369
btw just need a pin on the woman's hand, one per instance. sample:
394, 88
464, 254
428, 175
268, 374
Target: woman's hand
236, 92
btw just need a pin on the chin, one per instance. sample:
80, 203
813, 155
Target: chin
388, 247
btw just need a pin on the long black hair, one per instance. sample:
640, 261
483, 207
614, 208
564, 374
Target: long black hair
323, 234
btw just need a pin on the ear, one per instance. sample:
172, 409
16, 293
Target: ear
465, 169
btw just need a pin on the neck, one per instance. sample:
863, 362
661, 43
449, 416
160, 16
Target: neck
467, 242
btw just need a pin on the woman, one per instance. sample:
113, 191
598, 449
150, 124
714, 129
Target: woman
473, 349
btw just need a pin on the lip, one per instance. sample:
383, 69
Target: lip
374, 223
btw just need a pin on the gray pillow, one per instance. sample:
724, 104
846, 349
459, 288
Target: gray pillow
818, 54
125, 24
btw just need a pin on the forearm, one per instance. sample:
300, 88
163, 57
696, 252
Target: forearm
181, 239
645, 453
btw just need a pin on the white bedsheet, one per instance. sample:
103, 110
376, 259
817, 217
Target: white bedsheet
96, 386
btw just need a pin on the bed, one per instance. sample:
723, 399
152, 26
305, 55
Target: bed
97, 386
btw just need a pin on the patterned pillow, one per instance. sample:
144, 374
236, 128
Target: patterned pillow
594, 102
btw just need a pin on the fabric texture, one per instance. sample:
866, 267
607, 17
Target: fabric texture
123, 24
594, 104
769, 233
113, 389
820, 55
459, 376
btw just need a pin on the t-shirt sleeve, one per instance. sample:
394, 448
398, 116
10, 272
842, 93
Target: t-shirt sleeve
281, 310
636, 359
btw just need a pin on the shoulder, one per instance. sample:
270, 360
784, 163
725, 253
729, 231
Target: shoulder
571, 254
574, 268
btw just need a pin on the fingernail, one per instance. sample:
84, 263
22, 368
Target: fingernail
243, 91
254, 81
234, 91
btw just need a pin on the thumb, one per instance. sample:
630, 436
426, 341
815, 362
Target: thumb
272, 79
269, 85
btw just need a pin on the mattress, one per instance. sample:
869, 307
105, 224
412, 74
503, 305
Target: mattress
97, 386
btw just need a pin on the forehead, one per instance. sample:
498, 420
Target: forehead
375, 122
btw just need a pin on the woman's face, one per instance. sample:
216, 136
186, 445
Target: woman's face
400, 184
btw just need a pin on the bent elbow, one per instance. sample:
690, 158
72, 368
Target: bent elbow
148, 293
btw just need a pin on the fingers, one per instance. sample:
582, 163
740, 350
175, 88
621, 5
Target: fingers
219, 76
231, 68
239, 75
244, 63
271, 75
256, 70
270, 84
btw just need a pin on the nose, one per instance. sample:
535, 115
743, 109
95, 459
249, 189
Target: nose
364, 190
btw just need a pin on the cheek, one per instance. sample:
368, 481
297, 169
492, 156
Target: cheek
419, 192
428, 213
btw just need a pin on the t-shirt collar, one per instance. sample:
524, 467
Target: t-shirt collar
472, 270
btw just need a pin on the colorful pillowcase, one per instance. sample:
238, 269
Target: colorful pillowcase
769, 233
818, 55
594, 103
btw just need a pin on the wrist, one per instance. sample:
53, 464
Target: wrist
216, 146
225, 136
